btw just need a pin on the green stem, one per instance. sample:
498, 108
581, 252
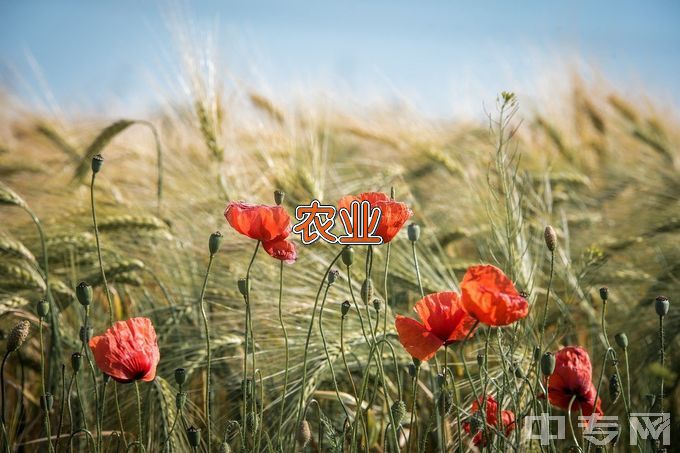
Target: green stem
119, 414
48, 430
307, 340
662, 359
99, 251
571, 425
86, 350
411, 425
206, 329
61, 407
246, 298
139, 417
285, 338
547, 299
415, 263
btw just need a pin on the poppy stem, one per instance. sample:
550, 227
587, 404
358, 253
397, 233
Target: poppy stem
285, 338
206, 329
415, 263
309, 336
46, 409
85, 349
325, 348
118, 413
662, 360
358, 410
547, 299
411, 425
139, 417
571, 425
61, 407
99, 251
247, 335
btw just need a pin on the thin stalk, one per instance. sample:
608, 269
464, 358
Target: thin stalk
359, 411
61, 407
99, 251
547, 299
139, 417
48, 430
571, 425
411, 424
119, 415
625, 353
86, 350
5, 436
415, 263
285, 338
206, 329
662, 359
309, 335
246, 334
82, 412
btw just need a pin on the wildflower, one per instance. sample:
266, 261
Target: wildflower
259, 222
573, 377
507, 419
127, 351
281, 249
490, 297
443, 322
393, 214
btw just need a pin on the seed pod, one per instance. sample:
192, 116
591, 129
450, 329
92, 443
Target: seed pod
537, 354
441, 379
333, 276
621, 340
224, 448
85, 333
84, 294
480, 360
413, 231
18, 335
180, 400
97, 162
548, 364
348, 256
180, 376
604, 293
345, 308
377, 304
279, 196
46, 402
550, 238
398, 411
76, 361
215, 242
304, 434
367, 291
662, 305
43, 308
614, 388
194, 436
244, 286
519, 372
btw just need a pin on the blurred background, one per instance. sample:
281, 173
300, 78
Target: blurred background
441, 58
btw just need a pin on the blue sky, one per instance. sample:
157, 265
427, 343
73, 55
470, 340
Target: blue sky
104, 56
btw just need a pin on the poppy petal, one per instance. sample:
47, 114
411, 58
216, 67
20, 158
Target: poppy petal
416, 339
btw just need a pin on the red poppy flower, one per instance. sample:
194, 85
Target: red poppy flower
281, 250
507, 419
393, 214
127, 351
259, 222
573, 377
444, 322
490, 297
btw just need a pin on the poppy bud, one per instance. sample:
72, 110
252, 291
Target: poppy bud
604, 293
243, 286
333, 276
480, 359
621, 340
194, 436
97, 162
180, 399
76, 361
84, 294
85, 333
348, 256
412, 370
345, 308
550, 238
279, 196
43, 308
537, 354
18, 335
46, 402
215, 242
180, 376
413, 231
367, 291
377, 304
547, 364
224, 448
614, 388
304, 434
662, 305
398, 411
